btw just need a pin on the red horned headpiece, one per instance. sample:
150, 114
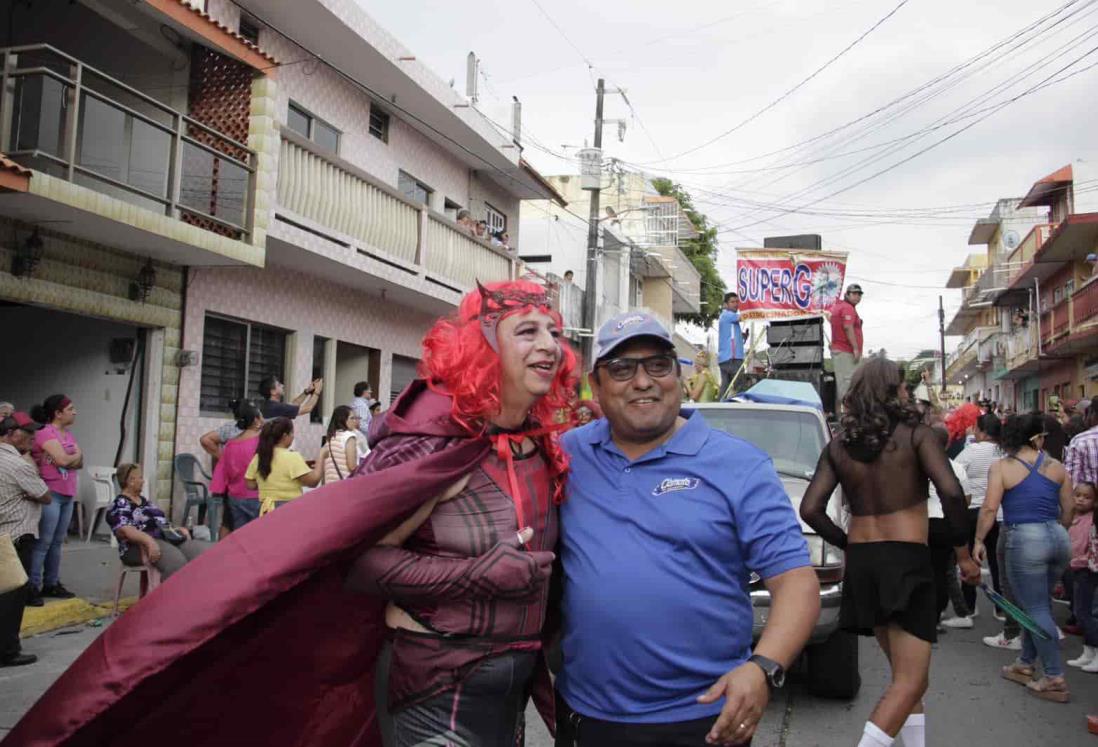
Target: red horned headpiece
496, 304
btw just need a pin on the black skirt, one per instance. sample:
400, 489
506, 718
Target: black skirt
888, 582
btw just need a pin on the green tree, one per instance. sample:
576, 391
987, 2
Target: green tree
702, 253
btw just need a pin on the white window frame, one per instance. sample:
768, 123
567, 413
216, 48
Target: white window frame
495, 218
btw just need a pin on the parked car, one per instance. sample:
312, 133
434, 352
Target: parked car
794, 436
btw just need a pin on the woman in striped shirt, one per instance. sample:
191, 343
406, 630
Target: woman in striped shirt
977, 458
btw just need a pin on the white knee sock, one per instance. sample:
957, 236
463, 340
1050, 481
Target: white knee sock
874, 737
913, 732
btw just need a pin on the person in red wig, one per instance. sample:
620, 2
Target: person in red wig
449, 536
466, 577
960, 424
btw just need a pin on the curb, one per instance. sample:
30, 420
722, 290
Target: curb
64, 613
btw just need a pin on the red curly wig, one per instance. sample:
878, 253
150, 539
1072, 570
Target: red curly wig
960, 420
458, 361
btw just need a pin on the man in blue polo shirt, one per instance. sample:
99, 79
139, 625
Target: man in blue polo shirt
730, 355
664, 521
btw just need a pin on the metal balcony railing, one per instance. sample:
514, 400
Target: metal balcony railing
63, 117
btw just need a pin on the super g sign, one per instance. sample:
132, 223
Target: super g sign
785, 284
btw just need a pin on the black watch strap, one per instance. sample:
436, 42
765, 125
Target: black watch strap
775, 672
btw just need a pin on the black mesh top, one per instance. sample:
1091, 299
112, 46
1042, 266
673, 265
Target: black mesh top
895, 480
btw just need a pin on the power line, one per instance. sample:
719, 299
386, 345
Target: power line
1043, 84
960, 112
788, 93
982, 55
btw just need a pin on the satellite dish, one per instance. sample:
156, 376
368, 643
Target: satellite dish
1011, 239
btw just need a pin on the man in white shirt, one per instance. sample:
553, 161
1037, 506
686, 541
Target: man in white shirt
364, 399
22, 493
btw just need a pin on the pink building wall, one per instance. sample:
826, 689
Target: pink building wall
331, 97
283, 297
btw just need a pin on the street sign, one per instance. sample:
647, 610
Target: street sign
590, 168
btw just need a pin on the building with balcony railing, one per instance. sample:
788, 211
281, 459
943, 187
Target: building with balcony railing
136, 151
981, 278
375, 156
1051, 298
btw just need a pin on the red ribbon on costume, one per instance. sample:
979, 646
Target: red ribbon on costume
503, 441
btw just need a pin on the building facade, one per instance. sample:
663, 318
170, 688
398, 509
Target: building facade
134, 140
198, 194
376, 156
1032, 315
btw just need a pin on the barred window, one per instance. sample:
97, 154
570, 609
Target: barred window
379, 123
236, 355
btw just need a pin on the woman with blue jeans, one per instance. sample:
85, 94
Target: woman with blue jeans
1036, 495
58, 457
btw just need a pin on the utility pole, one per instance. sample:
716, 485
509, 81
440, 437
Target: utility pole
589, 305
942, 339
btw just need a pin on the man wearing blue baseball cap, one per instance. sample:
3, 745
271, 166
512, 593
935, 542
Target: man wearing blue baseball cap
665, 519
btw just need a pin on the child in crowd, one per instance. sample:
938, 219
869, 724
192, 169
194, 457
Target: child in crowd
1084, 572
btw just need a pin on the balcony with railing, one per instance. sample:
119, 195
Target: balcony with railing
1021, 349
370, 227
1071, 324
63, 118
1021, 258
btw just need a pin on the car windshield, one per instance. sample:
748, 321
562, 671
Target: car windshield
793, 440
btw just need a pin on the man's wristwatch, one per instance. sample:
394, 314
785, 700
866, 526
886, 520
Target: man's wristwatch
775, 672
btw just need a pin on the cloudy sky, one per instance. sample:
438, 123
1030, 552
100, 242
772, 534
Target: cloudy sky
755, 107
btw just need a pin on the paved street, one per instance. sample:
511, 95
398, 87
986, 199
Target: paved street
967, 701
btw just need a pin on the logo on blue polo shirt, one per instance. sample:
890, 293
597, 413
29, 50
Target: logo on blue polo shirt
671, 484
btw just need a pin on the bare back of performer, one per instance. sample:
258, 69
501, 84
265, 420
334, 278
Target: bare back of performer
883, 458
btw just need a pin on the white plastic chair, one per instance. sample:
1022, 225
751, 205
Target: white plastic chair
105, 493
148, 579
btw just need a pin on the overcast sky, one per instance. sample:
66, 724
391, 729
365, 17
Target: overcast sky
694, 70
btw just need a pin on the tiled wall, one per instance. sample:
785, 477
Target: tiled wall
329, 96
80, 277
283, 297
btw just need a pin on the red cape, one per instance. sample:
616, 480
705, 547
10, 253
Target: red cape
256, 642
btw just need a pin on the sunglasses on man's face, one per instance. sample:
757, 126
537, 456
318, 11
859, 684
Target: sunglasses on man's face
624, 369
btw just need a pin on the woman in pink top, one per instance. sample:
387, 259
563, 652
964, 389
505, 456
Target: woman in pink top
228, 476
58, 456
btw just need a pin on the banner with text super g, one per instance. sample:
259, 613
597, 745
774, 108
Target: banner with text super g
787, 284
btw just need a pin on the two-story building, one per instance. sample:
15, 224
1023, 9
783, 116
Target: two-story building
375, 157
200, 193
135, 136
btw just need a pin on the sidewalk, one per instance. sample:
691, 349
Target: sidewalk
89, 570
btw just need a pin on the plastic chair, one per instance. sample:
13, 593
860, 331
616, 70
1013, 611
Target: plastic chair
187, 467
148, 578
105, 493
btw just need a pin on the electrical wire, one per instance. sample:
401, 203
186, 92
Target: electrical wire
785, 95
982, 55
